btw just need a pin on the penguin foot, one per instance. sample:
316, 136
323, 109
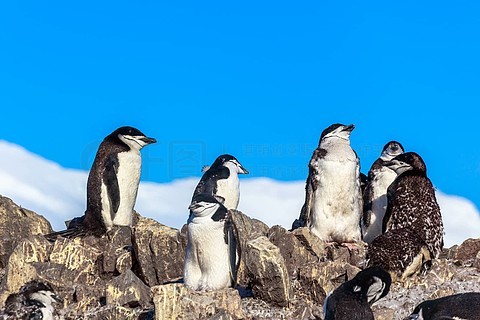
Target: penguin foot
351, 246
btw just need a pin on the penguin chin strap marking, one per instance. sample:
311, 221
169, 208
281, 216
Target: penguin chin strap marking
375, 290
336, 136
131, 139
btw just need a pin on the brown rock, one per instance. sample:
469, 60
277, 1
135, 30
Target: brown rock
128, 290
20, 267
291, 249
79, 256
467, 251
118, 247
476, 264
266, 267
159, 251
175, 301
311, 242
383, 313
17, 223
88, 297
247, 229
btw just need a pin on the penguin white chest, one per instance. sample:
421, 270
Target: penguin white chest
336, 205
128, 177
229, 189
207, 259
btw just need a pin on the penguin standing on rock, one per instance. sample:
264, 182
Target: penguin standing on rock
112, 184
211, 255
35, 300
375, 195
221, 181
333, 202
412, 202
457, 306
412, 225
352, 300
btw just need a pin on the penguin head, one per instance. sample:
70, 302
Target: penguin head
36, 291
205, 205
230, 162
406, 162
337, 130
391, 150
373, 283
42, 292
132, 137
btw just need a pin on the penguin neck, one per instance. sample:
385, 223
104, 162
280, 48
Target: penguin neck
232, 168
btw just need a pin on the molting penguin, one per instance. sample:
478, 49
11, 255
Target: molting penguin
112, 184
211, 255
221, 180
412, 203
412, 225
352, 300
401, 252
375, 195
457, 306
333, 202
35, 300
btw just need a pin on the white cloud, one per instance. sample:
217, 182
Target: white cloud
59, 194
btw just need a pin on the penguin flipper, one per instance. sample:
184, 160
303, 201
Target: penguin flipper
111, 181
305, 214
231, 238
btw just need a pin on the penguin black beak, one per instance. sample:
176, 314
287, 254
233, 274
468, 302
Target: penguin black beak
57, 299
242, 169
349, 128
148, 140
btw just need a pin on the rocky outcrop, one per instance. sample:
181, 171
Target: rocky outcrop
159, 251
266, 267
17, 223
135, 273
175, 301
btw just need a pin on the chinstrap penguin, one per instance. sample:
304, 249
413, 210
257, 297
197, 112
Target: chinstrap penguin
401, 252
112, 183
333, 201
412, 226
412, 203
212, 254
35, 300
352, 300
454, 307
375, 195
221, 181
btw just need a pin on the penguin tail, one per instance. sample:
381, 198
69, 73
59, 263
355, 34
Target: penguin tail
69, 233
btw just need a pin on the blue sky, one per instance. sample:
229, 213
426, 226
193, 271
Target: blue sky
257, 80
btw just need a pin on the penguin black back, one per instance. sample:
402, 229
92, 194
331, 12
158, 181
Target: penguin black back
352, 300
457, 306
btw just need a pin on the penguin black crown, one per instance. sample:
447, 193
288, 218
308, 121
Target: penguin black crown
112, 184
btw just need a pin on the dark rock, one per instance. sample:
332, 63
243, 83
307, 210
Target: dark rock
159, 252
292, 250
118, 251
17, 223
266, 267
128, 290
311, 242
467, 251
175, 301
247, 229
